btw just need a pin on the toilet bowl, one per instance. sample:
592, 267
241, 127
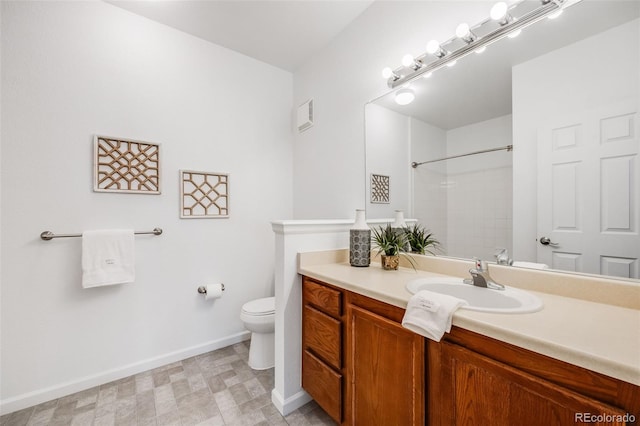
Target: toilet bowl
258, 317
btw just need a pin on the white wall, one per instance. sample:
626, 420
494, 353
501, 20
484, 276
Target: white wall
465, 202
329, 171
388, 143
74, 69
430, 196
479, 190
578, 78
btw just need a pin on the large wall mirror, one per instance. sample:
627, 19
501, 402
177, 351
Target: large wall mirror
565, 95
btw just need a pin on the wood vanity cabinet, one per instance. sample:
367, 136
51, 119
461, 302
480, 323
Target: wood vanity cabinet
385, 366
359, 364
474, 379
363, 368
322, 343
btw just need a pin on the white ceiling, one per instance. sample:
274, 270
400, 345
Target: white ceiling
281, 33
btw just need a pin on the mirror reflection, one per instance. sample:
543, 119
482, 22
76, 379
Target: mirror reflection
565, 95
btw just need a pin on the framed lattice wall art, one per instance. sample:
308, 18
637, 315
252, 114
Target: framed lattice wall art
124, 165
379, 189
204, 195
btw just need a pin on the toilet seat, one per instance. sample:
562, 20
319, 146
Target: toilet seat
259, 317
260, 307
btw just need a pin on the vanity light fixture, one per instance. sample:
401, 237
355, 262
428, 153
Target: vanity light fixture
409, 61
505, 20
405, 96
434, 48
558, 12
388, 73
464, 33
500, 12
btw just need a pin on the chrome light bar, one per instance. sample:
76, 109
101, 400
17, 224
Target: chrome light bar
403, 75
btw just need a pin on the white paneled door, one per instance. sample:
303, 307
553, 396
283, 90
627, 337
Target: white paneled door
589, 191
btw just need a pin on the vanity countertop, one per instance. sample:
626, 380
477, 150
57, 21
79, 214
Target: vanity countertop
597, 336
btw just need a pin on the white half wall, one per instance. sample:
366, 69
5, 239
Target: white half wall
293, 237
74, 69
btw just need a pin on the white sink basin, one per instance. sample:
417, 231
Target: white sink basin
509, 300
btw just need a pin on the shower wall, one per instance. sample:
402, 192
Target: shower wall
466, 202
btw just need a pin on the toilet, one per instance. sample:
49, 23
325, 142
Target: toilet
259, 318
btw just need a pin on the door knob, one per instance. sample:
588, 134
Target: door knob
545, 241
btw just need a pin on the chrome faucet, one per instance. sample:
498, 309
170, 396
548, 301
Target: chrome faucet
480, 276
502, 257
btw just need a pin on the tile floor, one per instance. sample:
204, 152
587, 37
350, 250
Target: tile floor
216, 388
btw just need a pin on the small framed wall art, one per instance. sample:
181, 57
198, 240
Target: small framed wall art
125, 165
204, 195
379, 189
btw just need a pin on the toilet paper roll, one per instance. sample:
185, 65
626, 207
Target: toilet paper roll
214, 291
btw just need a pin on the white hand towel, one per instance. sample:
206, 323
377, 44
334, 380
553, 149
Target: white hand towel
107, 257
429, 314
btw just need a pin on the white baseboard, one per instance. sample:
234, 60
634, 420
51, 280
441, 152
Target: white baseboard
39, 396
285, 407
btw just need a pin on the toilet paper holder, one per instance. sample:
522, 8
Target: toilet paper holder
203, 290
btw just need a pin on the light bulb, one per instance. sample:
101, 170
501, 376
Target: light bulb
463, 30
407, 60
387, 72
427, 75
514, 34
452, 63
499, 11
404, 96
481, 49
464, 33
432, 47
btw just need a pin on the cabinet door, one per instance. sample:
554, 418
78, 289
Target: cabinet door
470, 389
386, 371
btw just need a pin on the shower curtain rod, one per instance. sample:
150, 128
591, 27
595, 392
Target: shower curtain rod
507, 147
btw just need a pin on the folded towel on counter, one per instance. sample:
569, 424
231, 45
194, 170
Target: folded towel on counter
107, 257
429, 314
531, 265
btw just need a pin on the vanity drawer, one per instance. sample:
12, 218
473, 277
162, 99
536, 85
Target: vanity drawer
322, 297
322, 336
323, 384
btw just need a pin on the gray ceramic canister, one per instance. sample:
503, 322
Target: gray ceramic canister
360, 241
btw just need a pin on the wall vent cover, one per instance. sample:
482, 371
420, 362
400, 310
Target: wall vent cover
305, 116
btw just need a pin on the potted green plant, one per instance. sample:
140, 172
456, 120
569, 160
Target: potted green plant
420, 239
390, 244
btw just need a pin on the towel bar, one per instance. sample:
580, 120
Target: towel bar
48, 235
